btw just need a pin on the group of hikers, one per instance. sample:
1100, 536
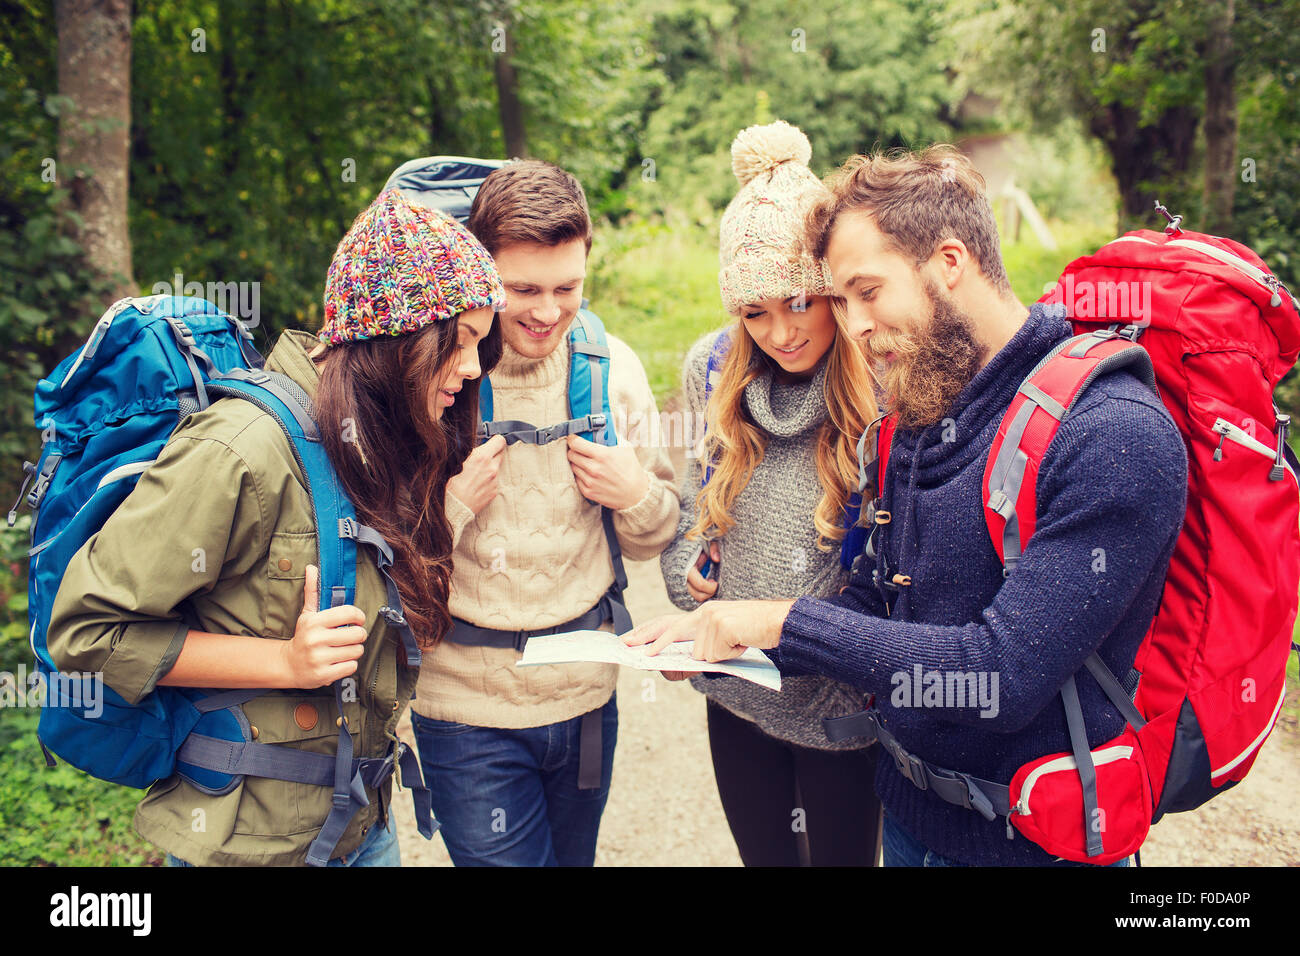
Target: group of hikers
880, 289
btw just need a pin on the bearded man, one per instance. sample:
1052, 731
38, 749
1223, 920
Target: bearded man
913, 248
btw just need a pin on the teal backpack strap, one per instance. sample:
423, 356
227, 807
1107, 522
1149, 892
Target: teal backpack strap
338, 532
485, 399
586, 342
588, 382
589, 376
589, 379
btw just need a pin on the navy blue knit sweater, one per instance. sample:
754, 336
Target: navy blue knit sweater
1111, 496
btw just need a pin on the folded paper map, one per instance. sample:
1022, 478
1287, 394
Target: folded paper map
606, 648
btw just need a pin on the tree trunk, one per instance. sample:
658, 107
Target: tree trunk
512, 113
444, 134
95, 73
1142, 155
1220, 120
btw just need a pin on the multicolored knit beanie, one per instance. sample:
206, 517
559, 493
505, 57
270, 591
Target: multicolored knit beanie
761, 228
401, 267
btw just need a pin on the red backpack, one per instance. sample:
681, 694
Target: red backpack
1217, 333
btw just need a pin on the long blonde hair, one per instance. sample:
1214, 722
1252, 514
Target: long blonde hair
735, 444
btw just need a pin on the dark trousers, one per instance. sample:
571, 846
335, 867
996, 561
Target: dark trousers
794, 806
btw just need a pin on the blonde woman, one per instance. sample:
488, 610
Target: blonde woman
789, 398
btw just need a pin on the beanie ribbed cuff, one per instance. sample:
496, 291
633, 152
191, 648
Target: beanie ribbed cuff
750, 279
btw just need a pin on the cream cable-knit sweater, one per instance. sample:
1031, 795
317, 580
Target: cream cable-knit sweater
536, 556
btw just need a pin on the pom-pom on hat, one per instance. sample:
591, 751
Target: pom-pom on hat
760, 237
401, 267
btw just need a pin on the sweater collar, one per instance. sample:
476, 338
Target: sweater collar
518, 370
786, 409
985, 399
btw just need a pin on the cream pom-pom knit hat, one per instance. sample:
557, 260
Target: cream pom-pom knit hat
759, 239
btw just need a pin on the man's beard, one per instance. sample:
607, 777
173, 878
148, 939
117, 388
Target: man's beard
932, 363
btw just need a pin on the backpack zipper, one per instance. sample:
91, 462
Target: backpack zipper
1099, 758
1226, 430
1269, 282
122, 471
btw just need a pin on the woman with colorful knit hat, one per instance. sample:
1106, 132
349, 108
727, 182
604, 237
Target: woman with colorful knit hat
790, 400
410, 300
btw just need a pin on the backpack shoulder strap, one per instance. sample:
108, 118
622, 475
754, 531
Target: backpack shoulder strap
337, 529
337, 534
1030, 423
284, 401
712, 373
717, 355
871, 464
589, 377
884, 442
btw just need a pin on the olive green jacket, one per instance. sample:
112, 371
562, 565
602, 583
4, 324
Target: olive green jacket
222, 524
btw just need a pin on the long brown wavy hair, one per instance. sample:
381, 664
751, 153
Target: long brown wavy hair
735, 443
394, 457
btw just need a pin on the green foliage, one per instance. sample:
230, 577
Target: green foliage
13, 594
1065, 174
1267, 208
44, 285
251, 158
59, 816
851, 76
1032, 268
656, 287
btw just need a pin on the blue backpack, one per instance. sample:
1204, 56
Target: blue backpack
105, 414
855, 536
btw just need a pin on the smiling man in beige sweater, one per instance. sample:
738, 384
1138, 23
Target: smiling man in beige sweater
519, 760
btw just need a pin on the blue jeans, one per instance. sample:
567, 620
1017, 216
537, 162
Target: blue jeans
903, 849
510, 797
379, 848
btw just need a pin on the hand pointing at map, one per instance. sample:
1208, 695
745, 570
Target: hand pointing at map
666, 654
720, 630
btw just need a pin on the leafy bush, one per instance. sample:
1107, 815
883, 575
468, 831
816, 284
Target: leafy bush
59, 816
655, 286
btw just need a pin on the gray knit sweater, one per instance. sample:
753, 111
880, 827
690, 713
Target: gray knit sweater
771, 551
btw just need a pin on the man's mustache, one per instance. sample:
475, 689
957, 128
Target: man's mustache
882, 343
